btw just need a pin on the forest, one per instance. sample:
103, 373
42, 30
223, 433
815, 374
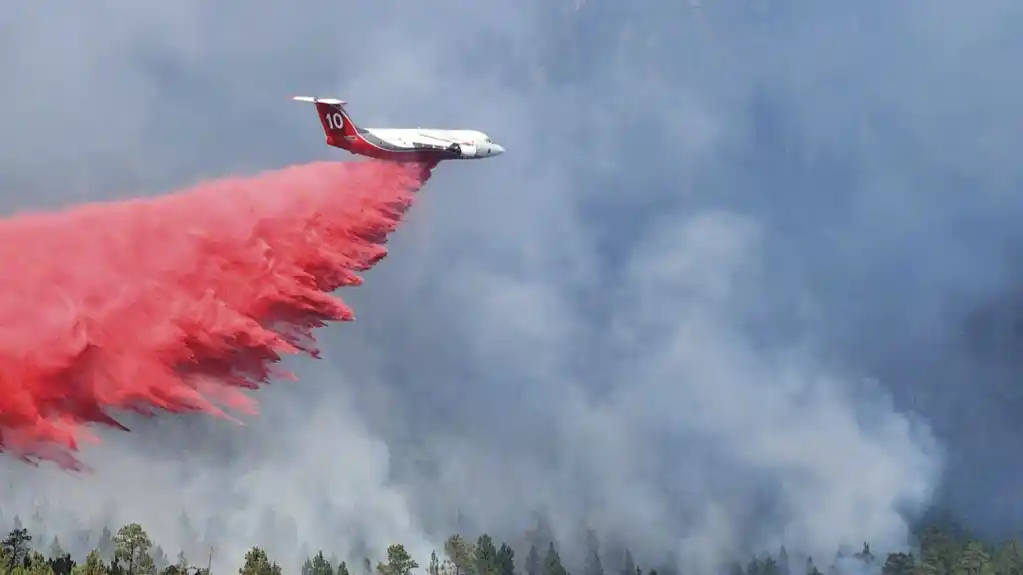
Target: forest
131, 551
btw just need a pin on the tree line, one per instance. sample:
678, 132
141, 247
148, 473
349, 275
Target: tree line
130, 551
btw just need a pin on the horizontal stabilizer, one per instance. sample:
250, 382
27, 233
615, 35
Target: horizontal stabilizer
328, 101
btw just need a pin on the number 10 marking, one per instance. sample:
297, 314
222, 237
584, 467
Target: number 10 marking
335, 121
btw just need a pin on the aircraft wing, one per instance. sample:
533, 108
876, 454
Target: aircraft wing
437, 136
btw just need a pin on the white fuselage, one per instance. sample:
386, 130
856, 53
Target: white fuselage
472, 143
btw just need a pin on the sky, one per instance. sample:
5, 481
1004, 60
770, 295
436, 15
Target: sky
745, 277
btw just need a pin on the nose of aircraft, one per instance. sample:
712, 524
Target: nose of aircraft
496, 149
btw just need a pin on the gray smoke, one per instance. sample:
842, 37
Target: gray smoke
711, 301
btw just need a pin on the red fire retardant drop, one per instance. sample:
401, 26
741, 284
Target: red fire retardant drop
178, 302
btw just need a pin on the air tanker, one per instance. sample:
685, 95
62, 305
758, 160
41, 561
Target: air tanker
399, 144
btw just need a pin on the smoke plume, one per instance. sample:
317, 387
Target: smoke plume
748, 274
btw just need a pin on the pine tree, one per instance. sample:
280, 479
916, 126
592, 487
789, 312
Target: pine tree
784, 566
898, 564
973, 560
552, 562
593, 564
55, 549
399, 562
131, 550
811, 569
93, 565
534, 566
257, 563
461, 554
865, 555
321, 566
105, 546
505, 560
1008, 560
485, 556
15, 546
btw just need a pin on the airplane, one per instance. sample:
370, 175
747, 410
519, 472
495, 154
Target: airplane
399, 144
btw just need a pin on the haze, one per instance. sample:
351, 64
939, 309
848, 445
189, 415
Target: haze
745, 276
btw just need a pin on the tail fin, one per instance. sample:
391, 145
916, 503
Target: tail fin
337, 126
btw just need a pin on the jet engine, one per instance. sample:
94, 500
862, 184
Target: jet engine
464, 150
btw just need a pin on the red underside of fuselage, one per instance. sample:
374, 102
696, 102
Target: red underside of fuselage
361, 147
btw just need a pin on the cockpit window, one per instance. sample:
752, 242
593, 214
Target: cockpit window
488, 141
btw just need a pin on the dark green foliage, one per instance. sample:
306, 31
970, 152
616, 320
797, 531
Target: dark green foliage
317, 565
399, 562
15, 545
61, 564
552, 562
130, 551
898, 564
485, 557
257, 563
505, 560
